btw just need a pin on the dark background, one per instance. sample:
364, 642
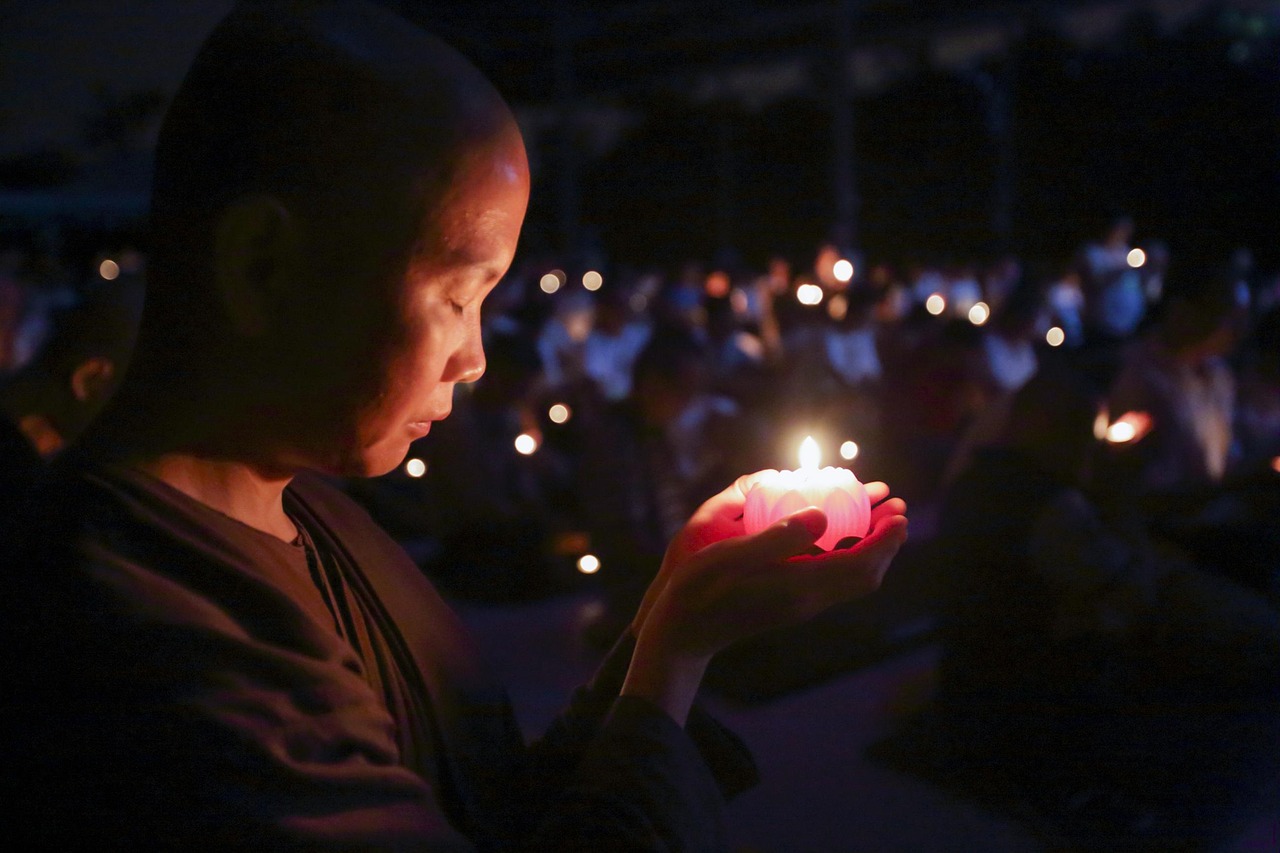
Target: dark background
661, 131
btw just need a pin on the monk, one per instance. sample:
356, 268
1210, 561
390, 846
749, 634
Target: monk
214, 649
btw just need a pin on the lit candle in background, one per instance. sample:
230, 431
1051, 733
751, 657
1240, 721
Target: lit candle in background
809, 294
836, 491
1128, 428
979, 313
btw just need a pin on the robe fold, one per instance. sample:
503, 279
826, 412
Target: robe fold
179, 681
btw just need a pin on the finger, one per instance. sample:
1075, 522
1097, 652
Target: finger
727, 504
893, 506
888, 532
783, 539
876, 491
746, 481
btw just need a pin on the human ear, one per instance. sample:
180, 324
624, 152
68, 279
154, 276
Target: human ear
256, 256
91, 378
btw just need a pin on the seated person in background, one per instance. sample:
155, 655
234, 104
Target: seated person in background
1127, 692
648, 462
50, 401
1178, 374
210, 648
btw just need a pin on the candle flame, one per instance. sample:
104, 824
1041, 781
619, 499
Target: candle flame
810, 454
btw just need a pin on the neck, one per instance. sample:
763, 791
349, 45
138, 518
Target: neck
236, 489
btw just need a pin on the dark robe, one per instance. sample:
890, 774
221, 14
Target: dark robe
179, 681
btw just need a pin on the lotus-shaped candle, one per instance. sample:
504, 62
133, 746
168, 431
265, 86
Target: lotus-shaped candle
835, 491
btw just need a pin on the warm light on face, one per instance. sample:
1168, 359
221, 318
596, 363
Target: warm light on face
588, 564
809, 294
415, 468
1136, 258
1055, 337
810, 454
842, 270
979, 313
549, 283
592, 280
559, 413
849, 450
526, 445
109, 270
935, 304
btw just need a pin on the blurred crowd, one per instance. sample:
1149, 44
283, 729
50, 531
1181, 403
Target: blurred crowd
1090, 451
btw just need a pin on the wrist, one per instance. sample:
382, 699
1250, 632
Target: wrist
665, 678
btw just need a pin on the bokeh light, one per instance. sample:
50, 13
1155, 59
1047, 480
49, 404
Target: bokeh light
415, 468
1055, 337
838, 307
809, 294
559, 413
549, 283
588, 564
842, 270
979, 313
1136, 258
1120, 432
935, 304
109, 270
717, 285
526, 445
592, 280
849, 450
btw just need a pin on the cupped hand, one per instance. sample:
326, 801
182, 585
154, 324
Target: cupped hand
711, 563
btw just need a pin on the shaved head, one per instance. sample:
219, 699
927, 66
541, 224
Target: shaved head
317, 157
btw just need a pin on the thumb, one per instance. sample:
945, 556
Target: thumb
790, 536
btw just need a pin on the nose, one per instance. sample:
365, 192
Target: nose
468, 361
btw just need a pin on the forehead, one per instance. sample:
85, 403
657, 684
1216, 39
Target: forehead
476, 215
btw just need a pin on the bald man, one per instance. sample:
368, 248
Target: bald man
212, 648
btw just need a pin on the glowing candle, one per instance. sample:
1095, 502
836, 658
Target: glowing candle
836, 491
